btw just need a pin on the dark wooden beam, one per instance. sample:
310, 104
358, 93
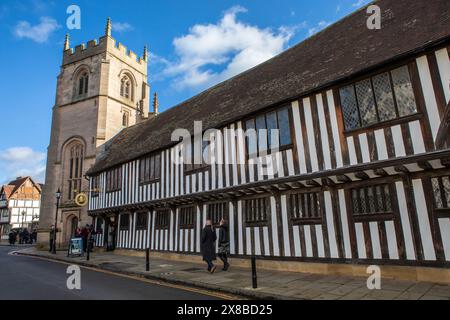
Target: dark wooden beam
312, 183
380, 172
343, 178
401, 169
362, 175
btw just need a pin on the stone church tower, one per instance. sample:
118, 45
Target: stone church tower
101, 89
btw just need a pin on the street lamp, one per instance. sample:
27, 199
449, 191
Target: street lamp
58, 197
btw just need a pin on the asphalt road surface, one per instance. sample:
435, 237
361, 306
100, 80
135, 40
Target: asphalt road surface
30, 278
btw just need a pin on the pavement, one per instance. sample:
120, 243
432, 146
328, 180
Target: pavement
29, 278
271, 284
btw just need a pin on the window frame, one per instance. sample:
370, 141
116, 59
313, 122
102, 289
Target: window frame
114, 180
444, 211
306, 220
140, 225
151, 165
191, 168
261, 152
187, 217
121, 225
256, 222
214, 216
158, 214
412, 70
378, 215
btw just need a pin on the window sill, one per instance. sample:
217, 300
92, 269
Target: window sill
384, 124
306, 221
112, 191
442, 212
196, 170
382, 216
145, 183
257, 224
269, 152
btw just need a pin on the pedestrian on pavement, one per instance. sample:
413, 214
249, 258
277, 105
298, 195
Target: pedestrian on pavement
78, 232
208, 245
33, 236
25, 236
52, 238
110, 244
84, 236
224, 244
12, 237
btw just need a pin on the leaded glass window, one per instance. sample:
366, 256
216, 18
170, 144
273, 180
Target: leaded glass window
386, 96
441, 191
404, 91
268, 132
366, 103
371, 200
350, 107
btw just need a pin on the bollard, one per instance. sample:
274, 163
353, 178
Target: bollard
254, 276
147, 260
87, 253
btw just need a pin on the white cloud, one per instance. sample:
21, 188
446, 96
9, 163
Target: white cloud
39, 32
211, 53
21, 161
321, 25
121, 27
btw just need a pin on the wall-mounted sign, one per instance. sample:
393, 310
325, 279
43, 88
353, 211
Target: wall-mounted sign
81, 199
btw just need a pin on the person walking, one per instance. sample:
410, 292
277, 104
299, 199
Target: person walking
52, 236
12, 237
224, 244
84, 236
208, 245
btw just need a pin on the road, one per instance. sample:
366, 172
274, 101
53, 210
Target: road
30, 278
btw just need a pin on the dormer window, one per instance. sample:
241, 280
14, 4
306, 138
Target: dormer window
126, 88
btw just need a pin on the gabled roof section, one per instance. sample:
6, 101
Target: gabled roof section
342, 50
14, 185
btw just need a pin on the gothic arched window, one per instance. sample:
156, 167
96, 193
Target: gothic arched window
125, 119
83, 82
126, 87
74, 169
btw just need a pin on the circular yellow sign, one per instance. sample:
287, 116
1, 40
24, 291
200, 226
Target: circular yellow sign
81, 199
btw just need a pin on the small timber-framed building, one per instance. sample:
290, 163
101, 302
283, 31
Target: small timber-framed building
363, 165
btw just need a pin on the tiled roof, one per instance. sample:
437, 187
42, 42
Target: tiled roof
342, 50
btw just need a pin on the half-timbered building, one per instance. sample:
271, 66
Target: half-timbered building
361, 172
20, 202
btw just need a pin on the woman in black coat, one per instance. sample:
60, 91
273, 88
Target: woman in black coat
208, 245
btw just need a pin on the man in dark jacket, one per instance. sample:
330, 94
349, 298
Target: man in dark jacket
224, 244
208, 245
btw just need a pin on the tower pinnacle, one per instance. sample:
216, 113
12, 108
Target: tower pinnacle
155, 103
108, 27
67, 42
145, 56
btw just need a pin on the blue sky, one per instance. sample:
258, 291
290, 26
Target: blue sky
193, 45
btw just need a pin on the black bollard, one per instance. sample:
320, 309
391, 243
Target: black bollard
254, 276
87, 253
147, 260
